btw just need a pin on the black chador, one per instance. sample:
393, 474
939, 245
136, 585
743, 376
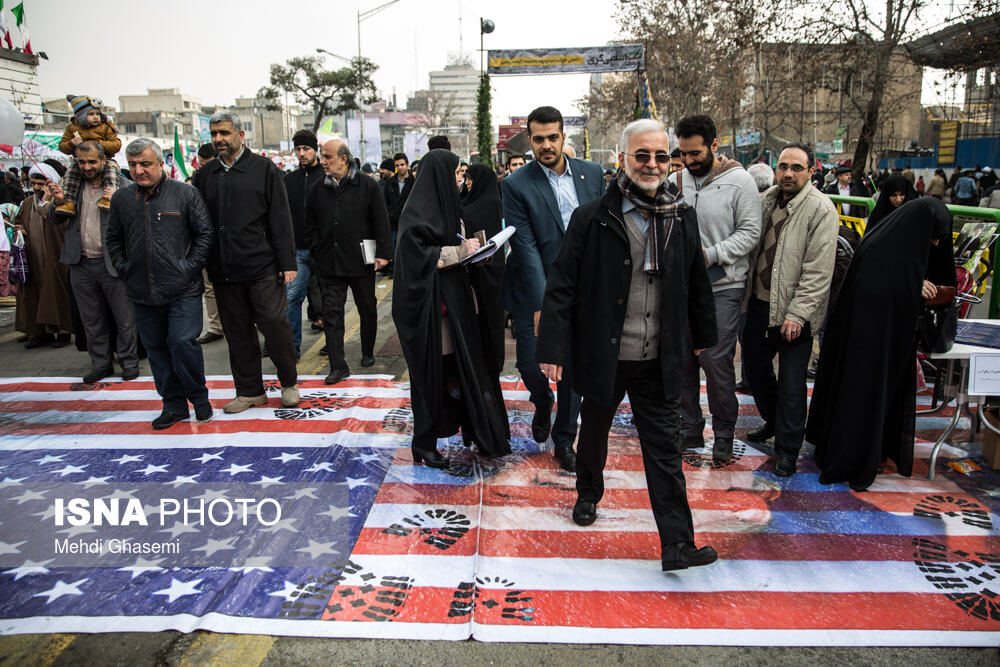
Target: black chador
452, 388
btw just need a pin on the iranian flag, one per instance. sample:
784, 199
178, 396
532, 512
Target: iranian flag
18, 12
5, 28
180, 159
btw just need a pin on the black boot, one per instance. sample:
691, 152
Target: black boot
431, 458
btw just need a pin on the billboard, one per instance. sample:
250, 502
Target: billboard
589, 60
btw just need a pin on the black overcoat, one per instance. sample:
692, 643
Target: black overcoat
586, 296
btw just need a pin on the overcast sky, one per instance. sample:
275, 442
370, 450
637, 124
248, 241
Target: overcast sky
217, 50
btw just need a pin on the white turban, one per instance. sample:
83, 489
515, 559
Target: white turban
45, 171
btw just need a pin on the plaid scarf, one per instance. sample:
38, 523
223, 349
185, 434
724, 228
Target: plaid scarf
340, 184
665, 206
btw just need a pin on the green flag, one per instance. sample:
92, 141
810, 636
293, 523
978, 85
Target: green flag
180, 160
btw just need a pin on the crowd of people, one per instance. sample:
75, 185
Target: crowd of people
635, 282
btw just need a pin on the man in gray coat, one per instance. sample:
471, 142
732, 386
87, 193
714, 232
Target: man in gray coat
725, 197
99, 291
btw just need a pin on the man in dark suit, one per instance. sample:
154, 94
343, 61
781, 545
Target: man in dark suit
99, 291
341, 212
396, 190
538, 200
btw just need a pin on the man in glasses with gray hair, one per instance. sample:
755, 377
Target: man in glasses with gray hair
728, 206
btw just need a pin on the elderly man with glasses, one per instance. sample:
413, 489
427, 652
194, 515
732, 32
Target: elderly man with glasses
786, 296
627, 298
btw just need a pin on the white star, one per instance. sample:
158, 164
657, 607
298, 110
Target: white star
266, 481
73, 531
212, 546
335, 513
288, 592
367, 458
93, 481
316, 467
10, 480
60, 589
28, 495
206, 457
251, 564
284, 524
181, 480
353, 482
287, 456
316, 549
30, 567
128, 458
309, 492
150, 469
70, 470
142, 565
122, 494
49, 458
179, 589
49, 512
178, 529
7, 548
210, 495
235, 469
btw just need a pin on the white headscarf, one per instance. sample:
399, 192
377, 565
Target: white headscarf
45, 171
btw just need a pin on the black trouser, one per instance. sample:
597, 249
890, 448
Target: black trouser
780, 400
657, 418
106, 313
334, 291
243, 307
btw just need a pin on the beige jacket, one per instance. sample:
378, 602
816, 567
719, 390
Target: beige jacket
804, 258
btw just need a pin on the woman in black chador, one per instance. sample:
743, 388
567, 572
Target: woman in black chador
482, 211
864, 401
454, 382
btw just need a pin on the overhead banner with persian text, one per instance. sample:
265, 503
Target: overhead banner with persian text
589, 60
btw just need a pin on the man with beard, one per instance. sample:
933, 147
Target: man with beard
786, 299
298, 183
99, 291
628, 296
538, 200
43, 310
725, 198
396, 191
252, 259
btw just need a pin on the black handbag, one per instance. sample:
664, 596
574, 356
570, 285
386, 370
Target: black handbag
937, 327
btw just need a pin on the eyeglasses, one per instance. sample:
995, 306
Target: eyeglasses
797, 168
642, 157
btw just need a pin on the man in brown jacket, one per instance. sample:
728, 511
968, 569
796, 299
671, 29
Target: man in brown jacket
787, 293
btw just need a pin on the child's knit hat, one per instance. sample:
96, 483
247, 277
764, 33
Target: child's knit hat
81, 105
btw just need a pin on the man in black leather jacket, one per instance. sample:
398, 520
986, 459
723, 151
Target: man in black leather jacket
159, 235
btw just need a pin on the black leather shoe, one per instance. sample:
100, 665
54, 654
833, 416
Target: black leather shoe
431, 458
129, 374
811, 373
337, 375
367, 361
168, 419
684, 555
37, 342
316, 326
693, 441
62, 340
97, 375
209, 337
762, 434
541, 423
322, 350
722, 450
783, 466
742, 387
203, 412
584, 512
566, 457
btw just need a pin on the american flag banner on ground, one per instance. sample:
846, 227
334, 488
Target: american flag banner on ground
370, 545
